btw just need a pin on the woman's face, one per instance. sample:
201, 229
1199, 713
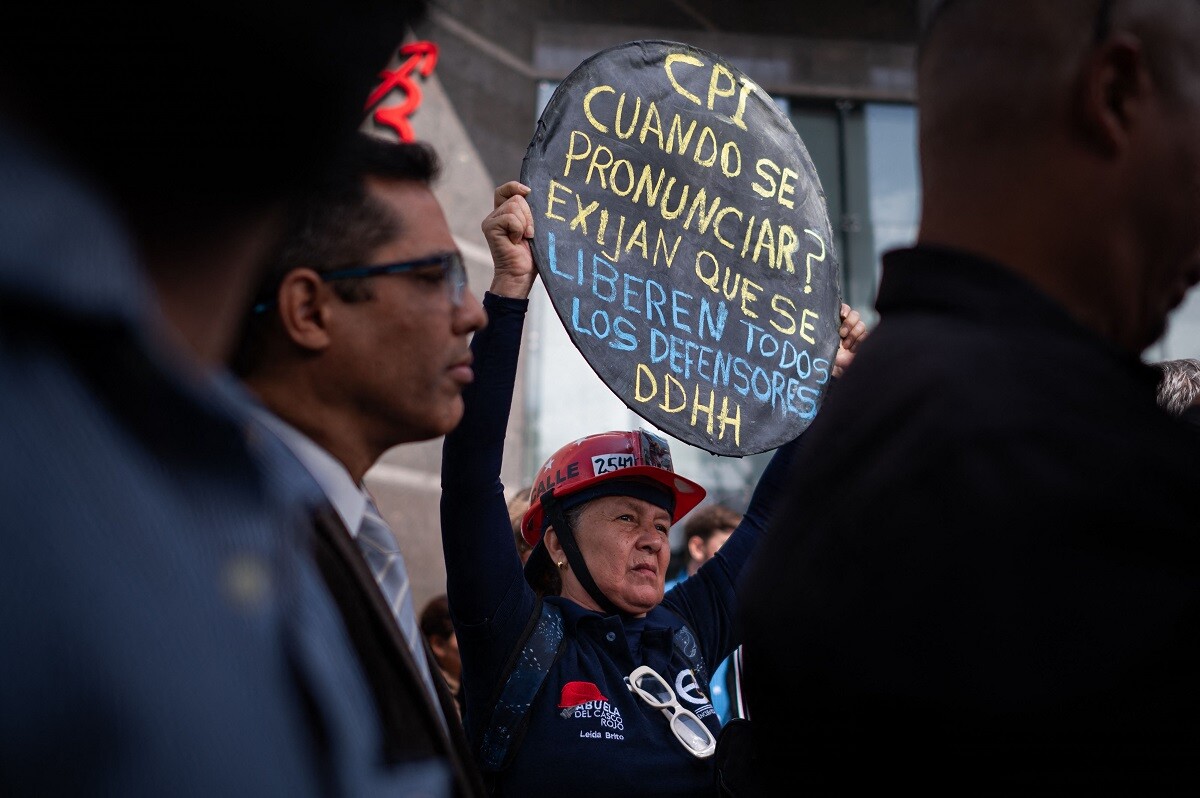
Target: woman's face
625, 545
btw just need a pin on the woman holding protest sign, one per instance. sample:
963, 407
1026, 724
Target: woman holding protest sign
597, 685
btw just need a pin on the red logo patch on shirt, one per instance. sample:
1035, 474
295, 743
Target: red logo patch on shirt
576, 693
586, 705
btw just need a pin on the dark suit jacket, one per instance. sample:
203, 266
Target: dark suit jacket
411, 729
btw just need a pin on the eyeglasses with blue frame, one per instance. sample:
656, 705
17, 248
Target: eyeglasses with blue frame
453, 270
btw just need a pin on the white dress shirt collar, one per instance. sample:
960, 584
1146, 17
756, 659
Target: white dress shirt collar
347, 498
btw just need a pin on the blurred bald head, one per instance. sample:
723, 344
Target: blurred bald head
991, 71
999, 73
1062, 139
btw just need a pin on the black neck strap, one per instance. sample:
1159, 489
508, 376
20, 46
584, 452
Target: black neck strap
566, 536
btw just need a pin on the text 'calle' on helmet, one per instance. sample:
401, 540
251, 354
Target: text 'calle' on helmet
589, 461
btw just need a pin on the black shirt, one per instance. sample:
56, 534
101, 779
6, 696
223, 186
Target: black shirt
987, 574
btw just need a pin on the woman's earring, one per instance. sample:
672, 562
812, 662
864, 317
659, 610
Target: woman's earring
562, 565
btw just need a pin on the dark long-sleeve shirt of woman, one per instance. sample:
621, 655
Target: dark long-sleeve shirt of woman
614, 743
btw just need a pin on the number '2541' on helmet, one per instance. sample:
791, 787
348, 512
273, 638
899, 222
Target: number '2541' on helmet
619, 455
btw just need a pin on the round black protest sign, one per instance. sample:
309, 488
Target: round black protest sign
683, 239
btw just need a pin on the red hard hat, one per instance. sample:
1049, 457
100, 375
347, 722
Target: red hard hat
583, 463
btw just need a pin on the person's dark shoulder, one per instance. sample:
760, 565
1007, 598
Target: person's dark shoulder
913, 372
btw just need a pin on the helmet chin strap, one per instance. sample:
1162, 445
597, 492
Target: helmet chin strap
558, 519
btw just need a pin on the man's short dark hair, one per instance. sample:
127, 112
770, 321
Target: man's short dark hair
336, 225
370, 155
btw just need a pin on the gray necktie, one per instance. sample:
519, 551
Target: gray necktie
382, 553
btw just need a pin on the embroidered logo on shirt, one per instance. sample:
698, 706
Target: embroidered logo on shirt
584, 701
687, 688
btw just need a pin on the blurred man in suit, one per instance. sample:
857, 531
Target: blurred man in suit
164, 630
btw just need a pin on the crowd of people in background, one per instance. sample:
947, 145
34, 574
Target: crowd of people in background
975, 572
